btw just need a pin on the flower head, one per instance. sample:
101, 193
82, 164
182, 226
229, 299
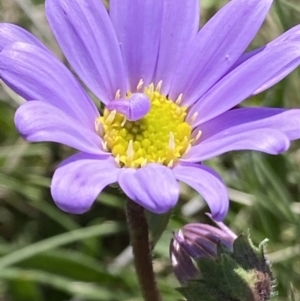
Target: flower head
167, 91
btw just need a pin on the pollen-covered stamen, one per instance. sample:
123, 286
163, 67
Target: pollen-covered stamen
188, 148
179, 99
140, 85
159, 136
104, 145
99, 127
118, 94
158, 86
117, 160
194, 116
110, 118
199, 133
151, 88
130, 150
144, 163
171, 141
170, 164
124, 121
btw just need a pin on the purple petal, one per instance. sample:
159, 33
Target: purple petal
243, 81
208, 184
77, 181
245, 119
37, 75
292, 34
183, 266
208, 237
133, 108
138, 25
175, 37
265, 140
10, 33
154, 187
216, 48
39, 121
225, 229
85, 34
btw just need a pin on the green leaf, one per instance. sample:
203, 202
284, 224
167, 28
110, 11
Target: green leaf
69, 263
75, 288
24, 290
104, 229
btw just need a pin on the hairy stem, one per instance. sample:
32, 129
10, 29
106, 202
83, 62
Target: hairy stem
139, 236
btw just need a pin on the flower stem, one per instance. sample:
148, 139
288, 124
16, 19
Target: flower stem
139, 236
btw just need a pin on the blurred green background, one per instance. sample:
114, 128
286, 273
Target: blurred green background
48, 255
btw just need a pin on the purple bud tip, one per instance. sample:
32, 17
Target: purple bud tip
195, 241
133, 108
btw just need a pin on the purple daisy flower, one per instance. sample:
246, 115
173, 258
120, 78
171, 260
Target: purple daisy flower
168, 91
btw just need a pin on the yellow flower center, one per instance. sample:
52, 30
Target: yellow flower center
161, 136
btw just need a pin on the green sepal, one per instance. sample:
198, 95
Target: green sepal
208, 288
239, 275
249, 256
199, 291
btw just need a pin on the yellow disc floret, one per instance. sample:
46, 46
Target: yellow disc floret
161, 136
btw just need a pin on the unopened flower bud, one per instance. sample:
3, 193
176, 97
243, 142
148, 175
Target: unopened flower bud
214, 264
195, 241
